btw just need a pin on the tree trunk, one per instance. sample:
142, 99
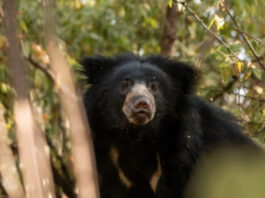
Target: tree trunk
169, 31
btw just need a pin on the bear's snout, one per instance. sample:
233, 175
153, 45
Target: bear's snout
139, 105
141, 110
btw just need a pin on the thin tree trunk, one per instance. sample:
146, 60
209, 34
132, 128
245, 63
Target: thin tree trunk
169, 31
83, 151
33, 153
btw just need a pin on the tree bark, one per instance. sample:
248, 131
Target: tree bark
169, 31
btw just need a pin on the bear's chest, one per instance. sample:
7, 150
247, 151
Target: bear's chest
136, 164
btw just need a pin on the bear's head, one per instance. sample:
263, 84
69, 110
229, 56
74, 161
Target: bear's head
130, 90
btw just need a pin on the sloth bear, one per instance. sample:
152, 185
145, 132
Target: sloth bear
149, 128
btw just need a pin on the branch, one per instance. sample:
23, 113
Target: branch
250, 36
225, 89
209, 30
245, 38
62, 177
251, 97
59, 86
41, 67
82, 149
8, 170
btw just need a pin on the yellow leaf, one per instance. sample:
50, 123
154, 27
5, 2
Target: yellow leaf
9, 124
170, 3
247, 75
211, 23
5, 88
78, 4
220, 4
239, 66
219, 21
2, 41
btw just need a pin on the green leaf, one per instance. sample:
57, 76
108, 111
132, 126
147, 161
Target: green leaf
219, 21
211, 23
257, 72
23, 26
5, 88
151, 21
226, 72
25, 48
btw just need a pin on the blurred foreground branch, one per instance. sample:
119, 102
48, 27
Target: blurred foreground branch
33, 153
83, 151
8, 170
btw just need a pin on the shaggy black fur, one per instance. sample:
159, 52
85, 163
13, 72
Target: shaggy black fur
183, 128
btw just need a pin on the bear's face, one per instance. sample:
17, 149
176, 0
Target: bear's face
141, 91
132, 91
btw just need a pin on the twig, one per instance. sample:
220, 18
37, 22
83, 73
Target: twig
225, 89
205, 26
245, 38
258, 40
59, 85
62, 178
251, 98
250, 36
41, 67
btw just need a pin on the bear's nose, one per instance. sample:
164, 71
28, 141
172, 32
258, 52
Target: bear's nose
142, 104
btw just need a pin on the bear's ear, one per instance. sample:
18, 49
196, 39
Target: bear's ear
184, 74
95, 67
181, 73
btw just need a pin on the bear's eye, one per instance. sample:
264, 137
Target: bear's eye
126, 84
153, 86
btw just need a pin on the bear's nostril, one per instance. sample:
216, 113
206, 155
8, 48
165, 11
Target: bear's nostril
142, 104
